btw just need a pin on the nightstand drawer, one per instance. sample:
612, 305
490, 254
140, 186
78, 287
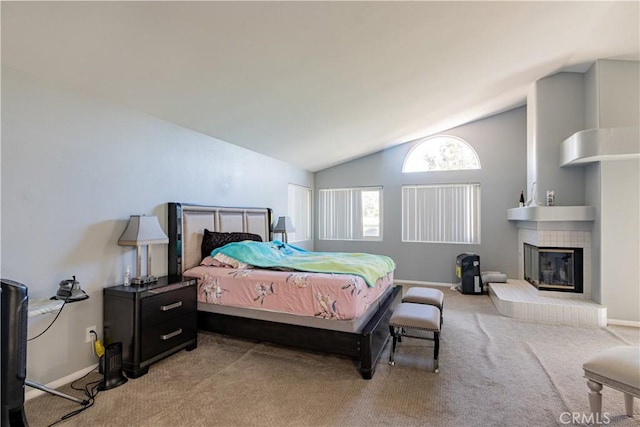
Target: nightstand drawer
167, 305
161, 337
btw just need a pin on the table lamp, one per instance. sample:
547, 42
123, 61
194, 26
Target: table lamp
143, 231
284, 226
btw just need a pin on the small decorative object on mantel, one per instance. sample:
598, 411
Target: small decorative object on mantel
521, 202
533, 201
551, 198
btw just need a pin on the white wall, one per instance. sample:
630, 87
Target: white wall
74, 168
620, 238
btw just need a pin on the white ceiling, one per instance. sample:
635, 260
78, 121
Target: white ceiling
314, 83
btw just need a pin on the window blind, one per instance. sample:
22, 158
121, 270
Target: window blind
448, 213
350, 213
299, 210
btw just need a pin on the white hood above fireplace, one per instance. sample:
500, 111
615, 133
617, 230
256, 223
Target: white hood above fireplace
600, 144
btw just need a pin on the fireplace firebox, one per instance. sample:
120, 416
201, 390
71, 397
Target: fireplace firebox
554, 269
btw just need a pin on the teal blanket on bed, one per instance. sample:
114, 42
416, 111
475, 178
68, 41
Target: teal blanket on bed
277, 254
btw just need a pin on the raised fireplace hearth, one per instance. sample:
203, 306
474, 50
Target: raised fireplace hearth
554, 268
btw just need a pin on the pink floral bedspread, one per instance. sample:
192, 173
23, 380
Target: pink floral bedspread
324, 295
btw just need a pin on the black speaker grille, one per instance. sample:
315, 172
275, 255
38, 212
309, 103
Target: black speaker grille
14, 303
113, 354
113, 367
21, 369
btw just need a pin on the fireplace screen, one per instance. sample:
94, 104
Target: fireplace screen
554, 269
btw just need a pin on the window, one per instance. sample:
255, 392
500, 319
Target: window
299, 210
350, 213
441, 153
448, 213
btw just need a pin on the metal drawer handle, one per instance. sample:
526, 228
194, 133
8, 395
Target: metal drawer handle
171, 335
171, 306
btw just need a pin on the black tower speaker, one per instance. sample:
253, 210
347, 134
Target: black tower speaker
14, 313
112, 367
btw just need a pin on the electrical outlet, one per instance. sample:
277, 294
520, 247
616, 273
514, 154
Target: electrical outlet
88, 335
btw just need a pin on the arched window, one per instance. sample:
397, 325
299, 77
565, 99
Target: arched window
441, 153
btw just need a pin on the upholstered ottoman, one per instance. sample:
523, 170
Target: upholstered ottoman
415, 316
618, 368
426, 296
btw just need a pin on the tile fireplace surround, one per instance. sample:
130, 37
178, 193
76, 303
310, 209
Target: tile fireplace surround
559, 239
568, 227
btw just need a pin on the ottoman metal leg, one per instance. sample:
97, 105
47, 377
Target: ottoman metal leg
393, 345
436, 350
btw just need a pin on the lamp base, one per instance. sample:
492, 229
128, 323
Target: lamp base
144, 280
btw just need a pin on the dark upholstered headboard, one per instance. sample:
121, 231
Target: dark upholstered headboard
188, 222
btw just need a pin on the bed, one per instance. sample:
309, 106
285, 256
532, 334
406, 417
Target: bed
359, 331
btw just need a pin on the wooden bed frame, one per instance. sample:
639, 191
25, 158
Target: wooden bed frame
365, 347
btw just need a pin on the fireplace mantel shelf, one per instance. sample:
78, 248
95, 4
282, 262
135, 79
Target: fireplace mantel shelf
552, 213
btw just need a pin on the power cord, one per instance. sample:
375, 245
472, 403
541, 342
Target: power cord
50, 324
90, 389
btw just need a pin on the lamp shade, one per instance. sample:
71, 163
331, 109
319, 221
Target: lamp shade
142, 230
284, 225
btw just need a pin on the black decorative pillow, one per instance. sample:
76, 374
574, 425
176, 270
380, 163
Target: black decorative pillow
214, 239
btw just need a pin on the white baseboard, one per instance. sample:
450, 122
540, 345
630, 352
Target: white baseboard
422, 283
631, 323
34, 392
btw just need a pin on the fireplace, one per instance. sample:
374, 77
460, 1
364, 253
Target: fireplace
554, 269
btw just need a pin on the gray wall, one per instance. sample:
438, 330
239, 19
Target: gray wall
74, 168
591, 107
557, 111
593, 193
618, 93
500, 142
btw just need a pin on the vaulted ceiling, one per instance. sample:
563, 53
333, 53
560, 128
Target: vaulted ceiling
314, 83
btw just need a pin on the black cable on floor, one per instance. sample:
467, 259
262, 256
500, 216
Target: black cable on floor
90, 389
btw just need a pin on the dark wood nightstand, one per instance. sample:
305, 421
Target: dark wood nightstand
152, 321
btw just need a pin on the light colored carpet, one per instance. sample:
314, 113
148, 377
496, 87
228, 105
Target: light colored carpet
494, 371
